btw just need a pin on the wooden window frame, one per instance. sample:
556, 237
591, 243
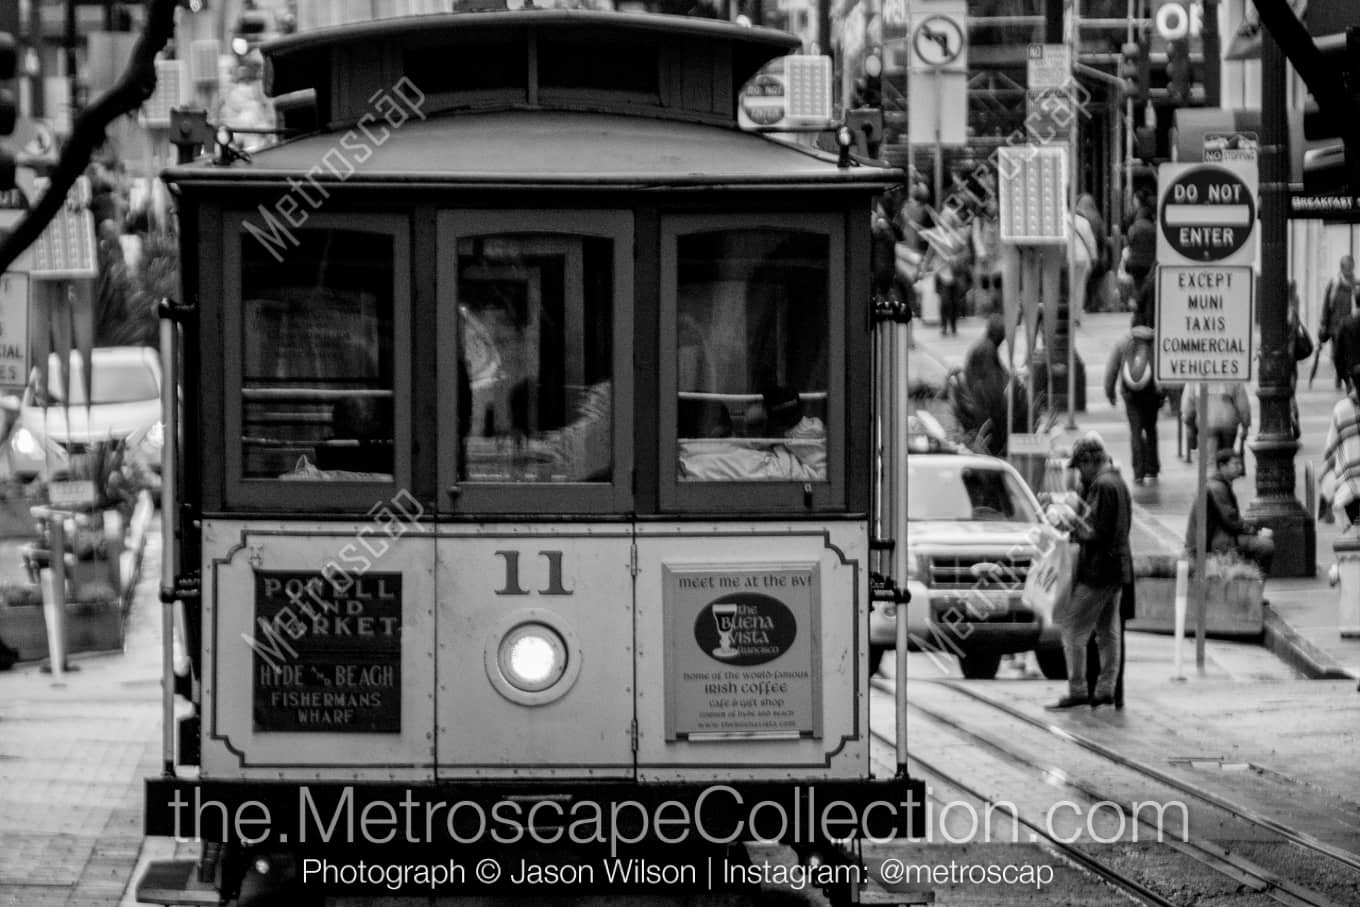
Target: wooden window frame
765, 496
320, 496
548, 498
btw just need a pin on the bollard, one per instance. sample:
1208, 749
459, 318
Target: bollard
1347, 550
1182, 591
53, 581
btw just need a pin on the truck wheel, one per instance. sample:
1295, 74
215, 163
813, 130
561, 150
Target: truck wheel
979, 667
1053, 662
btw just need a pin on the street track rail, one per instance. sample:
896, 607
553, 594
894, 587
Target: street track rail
1101, 870
1245, 813
1242, 871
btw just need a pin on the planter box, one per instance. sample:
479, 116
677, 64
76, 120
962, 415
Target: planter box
90, 627
1234, 608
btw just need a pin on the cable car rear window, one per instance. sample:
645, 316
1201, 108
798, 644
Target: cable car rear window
317, 376
751, 355
536, 316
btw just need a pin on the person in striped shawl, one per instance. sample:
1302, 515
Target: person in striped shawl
1341, 457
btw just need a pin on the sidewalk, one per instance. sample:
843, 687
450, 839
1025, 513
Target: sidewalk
73, 754
1302, 617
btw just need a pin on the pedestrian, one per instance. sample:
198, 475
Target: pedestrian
1130, 371
1338, 304
1226, 531
1346, 343
979, 399
1140, 255
1340, 478
1104, 566
949, 246
1228, 417
1300, 348
1090, 229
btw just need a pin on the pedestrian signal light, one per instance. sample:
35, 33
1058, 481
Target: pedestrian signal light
1329, 118
1135, 68
1178, 71
9, 64
251, 30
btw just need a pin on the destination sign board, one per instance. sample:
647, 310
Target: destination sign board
331, 658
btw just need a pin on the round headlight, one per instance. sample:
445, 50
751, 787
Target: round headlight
532, 657
24, 443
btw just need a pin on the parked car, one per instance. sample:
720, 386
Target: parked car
973, 531
54, 422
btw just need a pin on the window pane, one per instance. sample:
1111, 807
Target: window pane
129, 381
536, 316
751, 355
318, 370
951, 492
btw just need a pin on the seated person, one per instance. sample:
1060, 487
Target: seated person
793, 446
1226, 530
805, 435
361, 437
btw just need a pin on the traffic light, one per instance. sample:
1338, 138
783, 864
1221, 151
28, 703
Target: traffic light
251, 29
9, 64
1178, 71
1135, 67
1329, 168
869, 81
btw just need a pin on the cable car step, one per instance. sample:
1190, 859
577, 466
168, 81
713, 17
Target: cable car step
175, 882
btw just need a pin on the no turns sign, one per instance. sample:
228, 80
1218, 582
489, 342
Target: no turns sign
1207, 214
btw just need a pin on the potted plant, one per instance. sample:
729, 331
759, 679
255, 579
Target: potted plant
1234, 592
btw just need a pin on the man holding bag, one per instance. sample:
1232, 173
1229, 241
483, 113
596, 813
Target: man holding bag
1104, 566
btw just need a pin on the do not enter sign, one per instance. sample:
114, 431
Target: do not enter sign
1207, 214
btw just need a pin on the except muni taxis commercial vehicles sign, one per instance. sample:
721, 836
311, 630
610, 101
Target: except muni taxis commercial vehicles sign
1204, 323
1207, 213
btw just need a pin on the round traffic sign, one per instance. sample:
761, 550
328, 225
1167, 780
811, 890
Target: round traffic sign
1208, 214
938, 40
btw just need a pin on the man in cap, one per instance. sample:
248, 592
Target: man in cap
1104, 565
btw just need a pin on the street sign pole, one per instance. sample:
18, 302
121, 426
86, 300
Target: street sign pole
1205, 308
1201, 584
1073, 292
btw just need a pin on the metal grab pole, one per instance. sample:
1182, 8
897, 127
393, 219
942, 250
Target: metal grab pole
901, 402
169, 527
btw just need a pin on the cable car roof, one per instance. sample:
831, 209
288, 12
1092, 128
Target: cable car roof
674, 66
532, 147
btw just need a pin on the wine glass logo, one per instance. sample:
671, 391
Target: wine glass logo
725, 617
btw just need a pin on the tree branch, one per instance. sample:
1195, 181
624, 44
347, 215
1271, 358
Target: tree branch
136, 85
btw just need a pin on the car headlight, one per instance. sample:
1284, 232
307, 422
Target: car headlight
25, 443
915, 570
532, 657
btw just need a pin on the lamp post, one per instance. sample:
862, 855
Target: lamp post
1276, 505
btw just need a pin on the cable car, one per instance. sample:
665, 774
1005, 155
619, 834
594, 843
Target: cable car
527, 495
